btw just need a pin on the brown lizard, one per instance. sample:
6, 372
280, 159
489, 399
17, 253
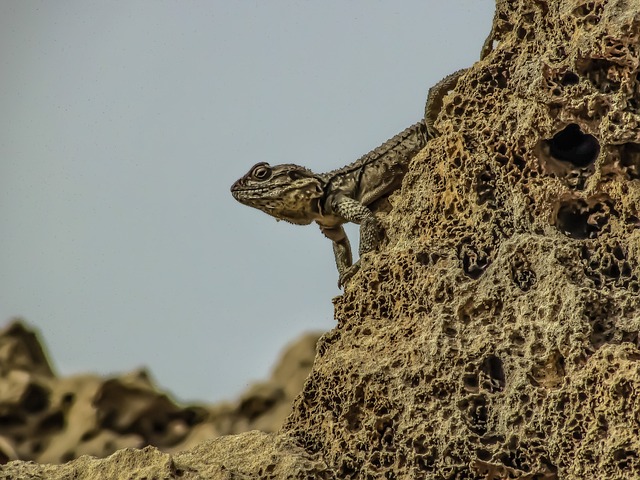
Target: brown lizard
349, 194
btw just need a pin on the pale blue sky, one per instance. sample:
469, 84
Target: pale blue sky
122, 127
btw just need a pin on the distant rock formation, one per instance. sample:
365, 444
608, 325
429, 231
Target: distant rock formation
50, 419
496, 333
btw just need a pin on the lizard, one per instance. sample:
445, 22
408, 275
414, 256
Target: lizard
349, 194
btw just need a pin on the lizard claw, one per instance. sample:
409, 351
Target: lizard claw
346, 275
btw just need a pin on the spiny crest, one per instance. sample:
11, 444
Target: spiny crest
287, 192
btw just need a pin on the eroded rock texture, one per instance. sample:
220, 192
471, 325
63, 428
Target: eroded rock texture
51, 419
495, 335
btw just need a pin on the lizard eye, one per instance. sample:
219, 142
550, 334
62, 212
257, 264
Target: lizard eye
262, 172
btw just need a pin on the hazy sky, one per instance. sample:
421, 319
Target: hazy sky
123, 125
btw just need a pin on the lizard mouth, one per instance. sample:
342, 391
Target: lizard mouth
238, 190
237, 185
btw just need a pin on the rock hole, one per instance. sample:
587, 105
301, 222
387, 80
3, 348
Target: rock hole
574, 147
514, 459
450, 331
601, 333
521, 32
383, 424
68, 399
485, 186
582, 218
624, 457
494, 78
36, 447
569, 78
11, 420
630, 160
524, 279
158, 427
68, 456
494, 371
521, 273
4, 457
572, 221
89, 434
483, 454
476, 413
194, 416
52, 423
474, 261
603, 74
519, 162
427, 258
610, 268
470, 383
251, 407
348, 467
36, 398
420, 444
618, 252
425, 462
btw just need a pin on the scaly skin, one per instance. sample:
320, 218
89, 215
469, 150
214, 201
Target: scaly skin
350, 194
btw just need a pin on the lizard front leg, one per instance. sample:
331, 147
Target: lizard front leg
341, 250
370, 231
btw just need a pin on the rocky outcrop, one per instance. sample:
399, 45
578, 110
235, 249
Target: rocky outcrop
52, 420
246, 456
495, 334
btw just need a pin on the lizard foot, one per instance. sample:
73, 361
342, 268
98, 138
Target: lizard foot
346, 275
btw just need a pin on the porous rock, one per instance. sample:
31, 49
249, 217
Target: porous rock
246, 456
495, 334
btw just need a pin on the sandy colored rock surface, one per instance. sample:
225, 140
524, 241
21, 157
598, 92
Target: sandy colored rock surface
495, 334
245, 456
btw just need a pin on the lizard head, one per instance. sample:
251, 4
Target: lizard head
287, 192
